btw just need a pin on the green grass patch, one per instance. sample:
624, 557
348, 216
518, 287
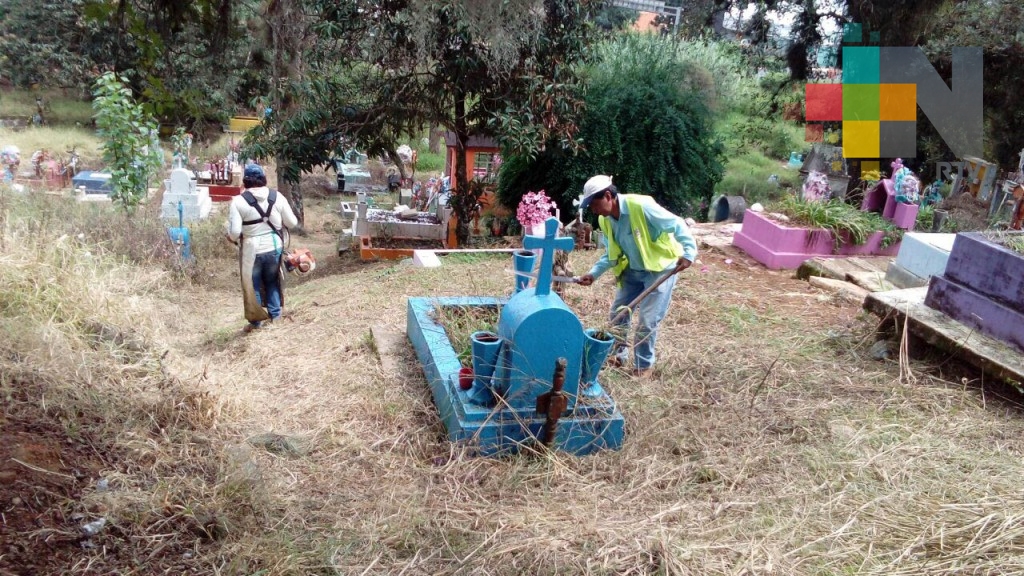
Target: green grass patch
775, 139
427, 161
460, 322
846, 223
58, 107
757, 149
748, 174
739, 318
58, 140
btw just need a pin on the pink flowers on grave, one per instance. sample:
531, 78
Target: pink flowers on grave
534, 208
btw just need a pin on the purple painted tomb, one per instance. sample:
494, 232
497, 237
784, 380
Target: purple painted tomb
881, 198
983, 288
778, 246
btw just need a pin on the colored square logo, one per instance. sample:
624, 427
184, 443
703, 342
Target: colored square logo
860, 139
860, 101
824, 102
897, 139
861, 64
853, 33
814, 133
897, 102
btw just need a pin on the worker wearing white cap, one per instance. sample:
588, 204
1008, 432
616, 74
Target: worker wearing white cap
643, 242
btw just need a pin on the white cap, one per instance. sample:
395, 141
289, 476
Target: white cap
594, 186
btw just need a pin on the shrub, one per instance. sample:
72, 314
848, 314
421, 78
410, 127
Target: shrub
646, 123
131, 148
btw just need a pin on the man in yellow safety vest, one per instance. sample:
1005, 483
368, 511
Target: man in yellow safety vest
643, 241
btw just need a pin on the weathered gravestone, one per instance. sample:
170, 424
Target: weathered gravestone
180, 186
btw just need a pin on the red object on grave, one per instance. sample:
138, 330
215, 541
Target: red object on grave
220, 193
465, 378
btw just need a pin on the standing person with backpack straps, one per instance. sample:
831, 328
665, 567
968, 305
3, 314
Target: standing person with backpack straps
258, 219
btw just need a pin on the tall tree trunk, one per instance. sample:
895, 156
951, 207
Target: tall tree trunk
119, 41
293, 191
287, 29
463, 196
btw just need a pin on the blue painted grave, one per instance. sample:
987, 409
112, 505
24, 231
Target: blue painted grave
500, 413
94, 182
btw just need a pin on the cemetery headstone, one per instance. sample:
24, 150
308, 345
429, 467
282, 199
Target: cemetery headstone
180, 187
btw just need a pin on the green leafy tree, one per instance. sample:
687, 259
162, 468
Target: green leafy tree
130, 148
647, 124
48, 42
996, 27
379, 72
191, 62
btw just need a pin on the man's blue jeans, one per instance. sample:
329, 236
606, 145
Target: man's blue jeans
651, 311
266, 281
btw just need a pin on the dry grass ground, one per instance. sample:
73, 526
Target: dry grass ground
768, 441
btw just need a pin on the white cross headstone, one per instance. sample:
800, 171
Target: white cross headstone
181, 182
181, 187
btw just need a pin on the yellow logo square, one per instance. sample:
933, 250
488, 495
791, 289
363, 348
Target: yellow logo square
860, 139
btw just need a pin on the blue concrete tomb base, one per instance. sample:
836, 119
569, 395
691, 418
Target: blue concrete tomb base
498, 415
496, 428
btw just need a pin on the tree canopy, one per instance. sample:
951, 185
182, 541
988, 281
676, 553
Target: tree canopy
381, 71
647, 124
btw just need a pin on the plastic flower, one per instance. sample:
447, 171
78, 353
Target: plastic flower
534, 208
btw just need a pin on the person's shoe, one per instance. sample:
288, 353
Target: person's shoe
250, 327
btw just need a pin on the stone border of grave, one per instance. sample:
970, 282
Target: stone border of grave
982, 287
782, 247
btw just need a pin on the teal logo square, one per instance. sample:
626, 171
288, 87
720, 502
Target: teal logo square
861, 64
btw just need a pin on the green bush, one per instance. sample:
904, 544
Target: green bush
732, 84
646, 123
130, 146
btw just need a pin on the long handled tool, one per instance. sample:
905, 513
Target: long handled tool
569, 279
636, 301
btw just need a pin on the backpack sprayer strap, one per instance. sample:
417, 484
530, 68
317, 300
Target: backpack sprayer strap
264, 215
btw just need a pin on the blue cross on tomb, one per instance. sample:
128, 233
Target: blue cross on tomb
548, 243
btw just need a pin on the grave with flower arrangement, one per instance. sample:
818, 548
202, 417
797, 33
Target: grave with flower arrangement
534, 381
